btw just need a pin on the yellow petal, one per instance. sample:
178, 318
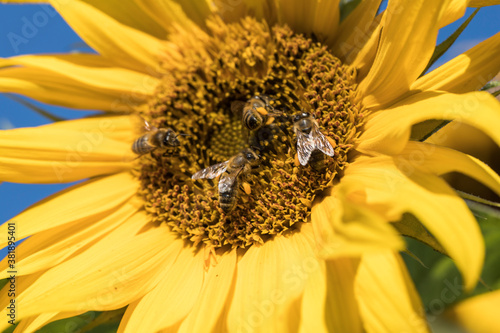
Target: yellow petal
260, 9
130, 14
483, 3
320, 17
343, 227
356, 30
328, 304
388, 131
92, 71
119, 43
49, 88
51, 247
454, 11
213, 297
387, 298
478, 314
342, 313
92, 198
171, 300
468, 71
118, 128
126, 12
409, 29
363, 58
270, 278
440, 160
313, 314
62, 155
169, 13
392, 192
119, 268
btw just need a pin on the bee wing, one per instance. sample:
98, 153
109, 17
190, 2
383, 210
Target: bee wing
237, 107
227, 182
141, 125
212, 171
305, 147
321, 142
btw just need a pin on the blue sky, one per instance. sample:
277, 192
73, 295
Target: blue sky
30, 29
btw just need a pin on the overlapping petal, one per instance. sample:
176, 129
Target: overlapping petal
387, 298
478, 314
93, 198
380, 184
214, 296
34, 323
343, 227
440, 160
342, 309
281, 284
115, 41
270, 279
356, 29
466, 72
179, 287
67, 151
483, 3
134, 263
171, 13
409, 29
388, 131
51, 247
88, 70
318, 17
48, 88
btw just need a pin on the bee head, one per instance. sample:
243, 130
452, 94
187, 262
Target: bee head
300, 116
265, 99
251, 155
171, 139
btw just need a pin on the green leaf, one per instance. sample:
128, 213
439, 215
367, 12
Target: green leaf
445, 45
3, 282
69, 325
411, 227
491, 84
89, 322
106, 322
10, 329
423, 130
440, 286
481, 206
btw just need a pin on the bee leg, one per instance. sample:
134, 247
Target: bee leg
171, 153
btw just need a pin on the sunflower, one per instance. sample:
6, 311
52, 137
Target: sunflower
306, 247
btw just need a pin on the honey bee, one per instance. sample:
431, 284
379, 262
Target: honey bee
156, 138
230, 170
309, 137
256, 112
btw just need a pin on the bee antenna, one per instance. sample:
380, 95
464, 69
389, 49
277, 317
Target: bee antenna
181, 134
257, 148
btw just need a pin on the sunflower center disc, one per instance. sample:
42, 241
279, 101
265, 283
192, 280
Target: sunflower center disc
235, 62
